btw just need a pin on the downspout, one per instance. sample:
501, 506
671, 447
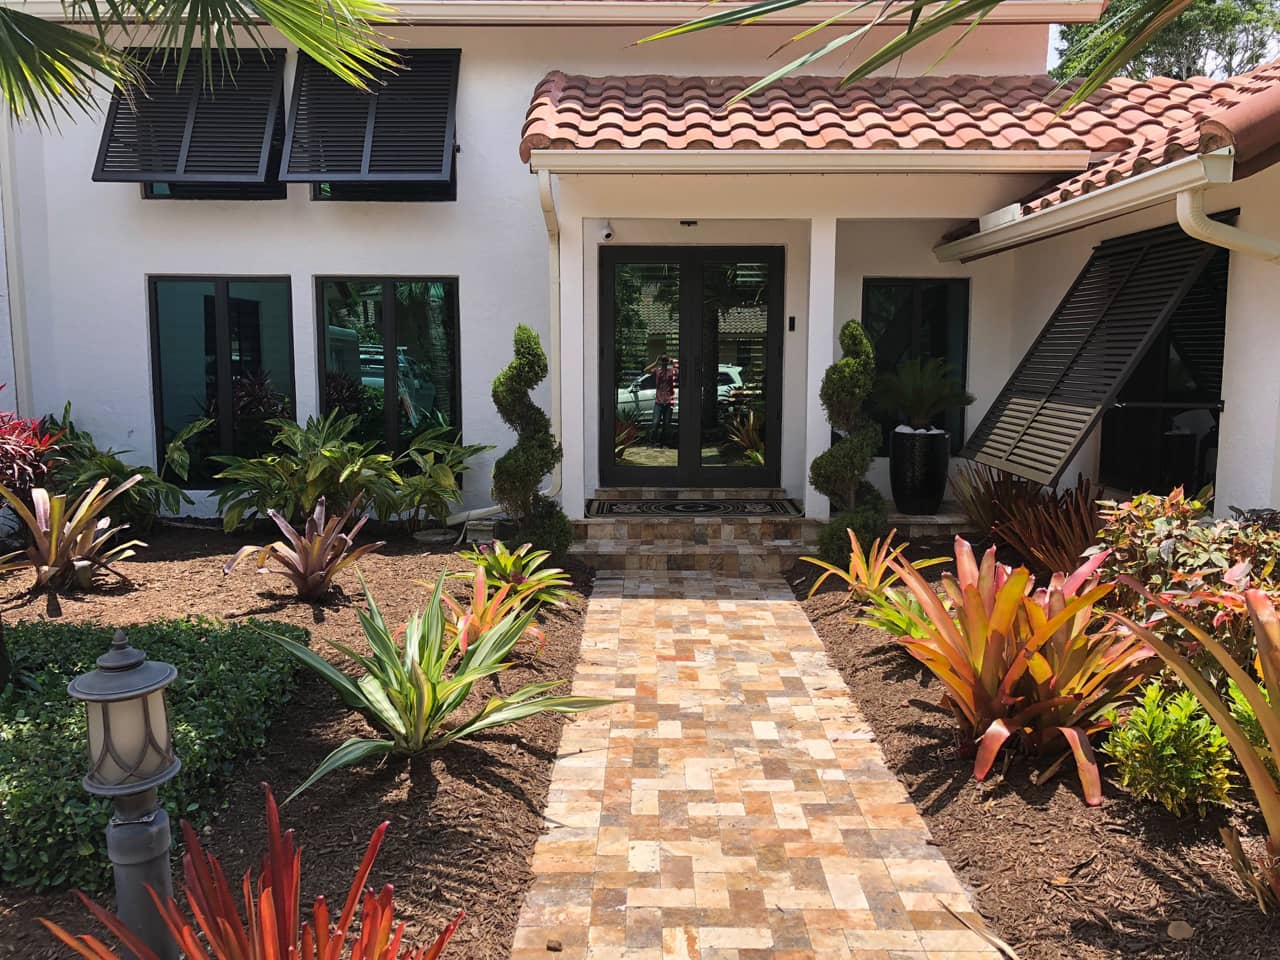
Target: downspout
548, 201
11, 255
1196, 223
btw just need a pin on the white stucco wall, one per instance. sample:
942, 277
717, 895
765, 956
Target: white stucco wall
88, 248
1249, 435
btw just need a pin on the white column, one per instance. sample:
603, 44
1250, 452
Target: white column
573, 401
821, 351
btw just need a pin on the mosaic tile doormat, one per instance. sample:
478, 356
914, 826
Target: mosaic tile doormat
768, 507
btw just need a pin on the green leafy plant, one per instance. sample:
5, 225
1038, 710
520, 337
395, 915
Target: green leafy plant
79, 463
69, 541
518, 472
415, 679
919, 390
232, 684
1023, 664
311, 461
523, 569
896, 612
429, 471
1052, 531
838, 473
988, 495
1168, 750
1242, 713
485, 610
547, 527
746, 432
312, 559
869, 572
1263, 874
272, 927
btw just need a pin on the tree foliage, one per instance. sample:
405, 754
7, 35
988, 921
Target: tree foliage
1211, 38
519, 471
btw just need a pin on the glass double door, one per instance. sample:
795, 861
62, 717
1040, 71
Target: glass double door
691, 365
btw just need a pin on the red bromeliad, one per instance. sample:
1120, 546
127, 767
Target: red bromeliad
272, 928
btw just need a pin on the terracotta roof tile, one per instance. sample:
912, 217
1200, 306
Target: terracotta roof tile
1131, 126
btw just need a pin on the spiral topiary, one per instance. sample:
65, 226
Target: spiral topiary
838, 472
518, 473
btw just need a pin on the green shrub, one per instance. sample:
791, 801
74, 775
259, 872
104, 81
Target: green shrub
233, 681
547, 528
78, 463
518, 473
318, 459
838, 473
1252, 727
1170, 751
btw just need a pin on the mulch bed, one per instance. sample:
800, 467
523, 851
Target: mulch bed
463, 821
1055, 878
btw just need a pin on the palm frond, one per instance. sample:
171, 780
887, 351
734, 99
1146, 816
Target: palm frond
47, 69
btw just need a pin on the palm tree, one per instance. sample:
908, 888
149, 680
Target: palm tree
49, 68
919, 20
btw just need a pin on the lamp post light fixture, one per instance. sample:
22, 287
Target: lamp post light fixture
130, 756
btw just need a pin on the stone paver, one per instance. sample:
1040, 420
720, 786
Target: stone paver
734, 805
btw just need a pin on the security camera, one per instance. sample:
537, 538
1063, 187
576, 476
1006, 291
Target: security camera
606, 233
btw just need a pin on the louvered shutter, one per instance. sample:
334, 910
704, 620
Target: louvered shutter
402, 132
1119, 303
200, 131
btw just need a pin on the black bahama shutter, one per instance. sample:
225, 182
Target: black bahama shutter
217, 130
1118, 305
402, 132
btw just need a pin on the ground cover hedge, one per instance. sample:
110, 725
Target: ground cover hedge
233, 682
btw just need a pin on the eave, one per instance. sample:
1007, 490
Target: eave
639, 12
1009, 230
807, 161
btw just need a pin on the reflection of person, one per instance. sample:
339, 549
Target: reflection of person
664, 381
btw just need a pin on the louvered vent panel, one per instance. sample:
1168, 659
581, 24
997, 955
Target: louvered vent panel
1199, 324
215, 130
236, 120
411, 137
1127, 292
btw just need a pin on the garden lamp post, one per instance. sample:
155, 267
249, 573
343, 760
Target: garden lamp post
130, 756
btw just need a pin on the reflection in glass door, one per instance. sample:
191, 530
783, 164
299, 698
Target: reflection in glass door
691, 347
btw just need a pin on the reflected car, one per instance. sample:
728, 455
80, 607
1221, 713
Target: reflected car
635, 401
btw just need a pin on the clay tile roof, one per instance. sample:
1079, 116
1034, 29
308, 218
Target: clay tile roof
1130, 126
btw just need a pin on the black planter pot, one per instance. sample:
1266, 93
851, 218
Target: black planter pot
918, 470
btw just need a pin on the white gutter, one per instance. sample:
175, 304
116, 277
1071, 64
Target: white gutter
23, 395
548, 201
657, 12
1010, 228
1196, 223
808, 161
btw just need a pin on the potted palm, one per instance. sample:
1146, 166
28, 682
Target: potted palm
920, 451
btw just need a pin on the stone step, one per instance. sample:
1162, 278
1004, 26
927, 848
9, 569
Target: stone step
677, 532
949, 521
690, 493
736, 561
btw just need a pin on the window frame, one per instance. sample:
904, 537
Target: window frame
390, 372
222, 333
917, 283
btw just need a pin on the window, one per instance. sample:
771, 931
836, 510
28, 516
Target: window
223, 349
395, 144
925, 318
363, 322
199, 139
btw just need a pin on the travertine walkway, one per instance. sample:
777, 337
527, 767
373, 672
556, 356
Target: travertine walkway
734, 806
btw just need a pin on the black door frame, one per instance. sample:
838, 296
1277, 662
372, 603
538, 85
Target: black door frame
689, 472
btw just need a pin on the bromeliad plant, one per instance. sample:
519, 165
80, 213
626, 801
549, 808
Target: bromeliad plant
521, 569
272, 927
312, 559
1023, 664
1263, 875
485, 611
416, 679
68, 541
1052, 531
870, 572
